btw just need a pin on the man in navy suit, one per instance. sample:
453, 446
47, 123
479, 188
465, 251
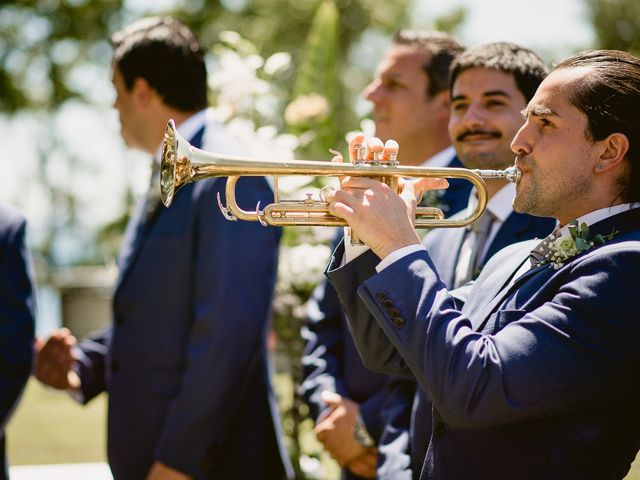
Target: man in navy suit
533, 371
410, 104
17, 317
185, 361
490, 86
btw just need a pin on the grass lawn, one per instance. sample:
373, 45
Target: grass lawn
49, 427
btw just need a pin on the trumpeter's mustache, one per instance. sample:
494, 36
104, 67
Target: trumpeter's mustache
524, 162
486, 133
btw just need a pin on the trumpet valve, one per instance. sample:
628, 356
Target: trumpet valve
392, 147
360, 150
309, 199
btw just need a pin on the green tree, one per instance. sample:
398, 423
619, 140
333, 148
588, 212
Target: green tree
616, 24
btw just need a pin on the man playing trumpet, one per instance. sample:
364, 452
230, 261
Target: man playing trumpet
531, 372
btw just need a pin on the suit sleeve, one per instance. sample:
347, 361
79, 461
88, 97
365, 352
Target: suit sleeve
572, 350
17, 317
91, 357
233, 275
378, 354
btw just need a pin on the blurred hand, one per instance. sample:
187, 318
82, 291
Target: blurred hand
365, 465
378, 215
54, 360
160, 471
335, 429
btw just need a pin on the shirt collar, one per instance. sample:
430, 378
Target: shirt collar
599, 215
187, 129
500, 205
440, 159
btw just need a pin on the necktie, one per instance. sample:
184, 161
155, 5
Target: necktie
542, 249
152, 199
472, 249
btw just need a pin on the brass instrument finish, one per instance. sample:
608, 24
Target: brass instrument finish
182, 163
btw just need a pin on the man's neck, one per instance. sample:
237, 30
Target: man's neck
157, 126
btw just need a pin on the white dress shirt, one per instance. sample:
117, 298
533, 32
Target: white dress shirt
589, 218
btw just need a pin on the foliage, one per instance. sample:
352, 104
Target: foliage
451, 21
44, 42
314, 92
52, 51
299, 271
616, 24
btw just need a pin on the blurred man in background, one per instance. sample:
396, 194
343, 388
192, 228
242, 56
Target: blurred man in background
17, 318
185, 361
411, 104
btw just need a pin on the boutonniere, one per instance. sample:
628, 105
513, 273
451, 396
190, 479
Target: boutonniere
563, 248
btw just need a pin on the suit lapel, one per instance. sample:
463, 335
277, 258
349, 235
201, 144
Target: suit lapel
509, 233
141, 225
622, 223
494, 286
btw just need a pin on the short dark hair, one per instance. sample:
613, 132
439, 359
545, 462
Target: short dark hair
443, 49
527, 68
609, 95
164, 52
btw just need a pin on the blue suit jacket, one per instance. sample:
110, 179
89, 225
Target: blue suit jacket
331, 361
185, 362
535, 377
407, 409
17, 317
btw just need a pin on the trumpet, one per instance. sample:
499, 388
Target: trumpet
182, 163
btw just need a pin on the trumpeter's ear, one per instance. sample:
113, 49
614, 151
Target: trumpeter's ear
142, 92
613, 151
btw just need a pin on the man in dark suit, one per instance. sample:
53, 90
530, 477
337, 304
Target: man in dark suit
17, 318
490, 86
534, 376
185, 361
410, 104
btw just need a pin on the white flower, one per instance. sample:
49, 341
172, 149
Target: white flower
307, 109
568, 246
302, 264
236, 82
277, 63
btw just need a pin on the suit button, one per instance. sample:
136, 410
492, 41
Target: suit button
381, 296
387, 304
114, 367
398, 321
438, 429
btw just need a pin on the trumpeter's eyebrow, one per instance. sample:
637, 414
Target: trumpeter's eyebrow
538, 111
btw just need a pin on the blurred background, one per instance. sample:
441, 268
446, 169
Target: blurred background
286, 74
